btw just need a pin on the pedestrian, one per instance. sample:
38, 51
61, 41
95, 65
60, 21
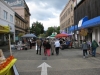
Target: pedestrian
39, 44
85, 48
94, 45
47, 47
52, 46
57, 46
89, 47
44, 46
30, 41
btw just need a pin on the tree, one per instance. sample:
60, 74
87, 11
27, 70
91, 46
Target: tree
58, 30
49, 31
37, 28
52, 29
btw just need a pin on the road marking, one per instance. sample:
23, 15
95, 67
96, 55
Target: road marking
44, 68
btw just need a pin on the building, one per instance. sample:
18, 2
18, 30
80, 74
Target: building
67, 17
89, 8
22, 10
7, 16
19, 25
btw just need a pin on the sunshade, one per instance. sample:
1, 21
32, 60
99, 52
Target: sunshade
4, 29
53, 35
28, 36
61, 35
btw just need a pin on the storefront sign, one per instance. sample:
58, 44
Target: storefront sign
83, 32
80, 23
14, 2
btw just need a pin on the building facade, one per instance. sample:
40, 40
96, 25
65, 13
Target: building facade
67, 17
19, 25
22, 10
89, 8
7, 16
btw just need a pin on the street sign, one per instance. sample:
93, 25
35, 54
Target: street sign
44, 68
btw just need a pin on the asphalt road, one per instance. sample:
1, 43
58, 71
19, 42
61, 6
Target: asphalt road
68, 62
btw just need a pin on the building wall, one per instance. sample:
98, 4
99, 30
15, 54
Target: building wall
90, 8
22, 9
20, 23
7, 21
67, 16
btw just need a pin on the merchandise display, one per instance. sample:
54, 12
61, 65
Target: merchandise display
2, 57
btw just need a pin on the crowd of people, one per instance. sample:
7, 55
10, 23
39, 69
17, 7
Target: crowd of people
49, 46
89, 46
53, 45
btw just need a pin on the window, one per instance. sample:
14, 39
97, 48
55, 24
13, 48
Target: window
11, 18
72, 19
71, 7
5, 15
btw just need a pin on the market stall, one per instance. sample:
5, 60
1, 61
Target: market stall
6, 64
6, 67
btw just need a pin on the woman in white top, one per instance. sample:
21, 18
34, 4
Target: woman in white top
57, 46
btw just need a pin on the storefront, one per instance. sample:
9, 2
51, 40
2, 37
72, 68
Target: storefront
92, 27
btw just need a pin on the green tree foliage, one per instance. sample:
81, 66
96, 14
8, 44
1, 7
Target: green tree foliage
42, 35
58, 30
37, 28
52, 29
49, 31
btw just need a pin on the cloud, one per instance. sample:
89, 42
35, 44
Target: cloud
46, 11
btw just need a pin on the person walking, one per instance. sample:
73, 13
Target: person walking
47, 47
89, 47
52, 46
57, 46
94, 45
39, 44
44, 46
85, 48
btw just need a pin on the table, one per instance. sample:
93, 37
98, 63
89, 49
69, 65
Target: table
19, 47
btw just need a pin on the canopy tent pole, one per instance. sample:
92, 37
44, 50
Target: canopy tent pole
10, 46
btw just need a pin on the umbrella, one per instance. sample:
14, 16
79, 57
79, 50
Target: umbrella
28, 36
61, 35
53, 35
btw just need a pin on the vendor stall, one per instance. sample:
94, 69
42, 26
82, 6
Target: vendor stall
6, 64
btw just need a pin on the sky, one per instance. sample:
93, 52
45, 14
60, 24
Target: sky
46, 11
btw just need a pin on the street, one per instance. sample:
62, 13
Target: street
68, 62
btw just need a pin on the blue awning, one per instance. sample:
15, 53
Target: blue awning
91, 22
73, 28
82, 21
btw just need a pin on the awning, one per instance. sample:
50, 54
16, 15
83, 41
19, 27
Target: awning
4, 29
91, 22
73, 28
